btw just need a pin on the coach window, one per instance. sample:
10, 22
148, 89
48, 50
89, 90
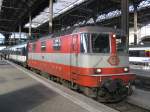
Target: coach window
43, 46
57, 44
134, 53
23, 51
18, 50
142, 53
131, 53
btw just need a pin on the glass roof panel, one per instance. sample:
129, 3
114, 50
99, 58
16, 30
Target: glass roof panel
64, 5
116, 13
59, 7
1, 1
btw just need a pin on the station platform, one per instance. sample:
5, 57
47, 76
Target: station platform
24, 91
140, 98
140, 71
142, 78
141, 95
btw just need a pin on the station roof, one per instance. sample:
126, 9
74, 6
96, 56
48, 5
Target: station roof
66, 13
15, 12
95, 12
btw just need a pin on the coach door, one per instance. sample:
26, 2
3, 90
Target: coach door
74, 58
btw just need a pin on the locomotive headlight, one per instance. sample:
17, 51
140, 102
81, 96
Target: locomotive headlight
114, 35
126, 69
98, 70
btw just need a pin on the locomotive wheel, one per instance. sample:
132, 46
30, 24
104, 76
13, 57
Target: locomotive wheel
101, 94
112, 91
130, 90
74, 86
65, 83
90, 92
104, 96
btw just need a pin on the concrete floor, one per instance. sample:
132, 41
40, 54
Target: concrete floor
20, 93
140, 98
138, 70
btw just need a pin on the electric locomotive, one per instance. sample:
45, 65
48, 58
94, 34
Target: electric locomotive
91, 59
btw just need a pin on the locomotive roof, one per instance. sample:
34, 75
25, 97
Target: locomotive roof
88, 29
95, 29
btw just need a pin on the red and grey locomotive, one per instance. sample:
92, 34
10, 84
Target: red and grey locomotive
91, 59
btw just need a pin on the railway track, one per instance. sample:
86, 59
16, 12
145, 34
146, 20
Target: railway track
143, 83
142, 77
124, 106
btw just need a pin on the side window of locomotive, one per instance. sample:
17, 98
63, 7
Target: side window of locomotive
74, 42
57, 44
85, 43
100, 43
43, 46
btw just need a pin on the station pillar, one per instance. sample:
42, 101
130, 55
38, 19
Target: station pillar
30, 26
6, 41
19, 32
135, 24
125, 21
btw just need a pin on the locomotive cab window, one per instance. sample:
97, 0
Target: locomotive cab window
85, 43
43, 46
100, 43
95, 43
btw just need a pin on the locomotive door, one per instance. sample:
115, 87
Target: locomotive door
74, 58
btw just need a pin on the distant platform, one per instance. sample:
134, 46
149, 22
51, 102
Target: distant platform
140, 70
24, 91
140, 98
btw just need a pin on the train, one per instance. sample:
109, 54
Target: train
16, 53
89, 59
139, 55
